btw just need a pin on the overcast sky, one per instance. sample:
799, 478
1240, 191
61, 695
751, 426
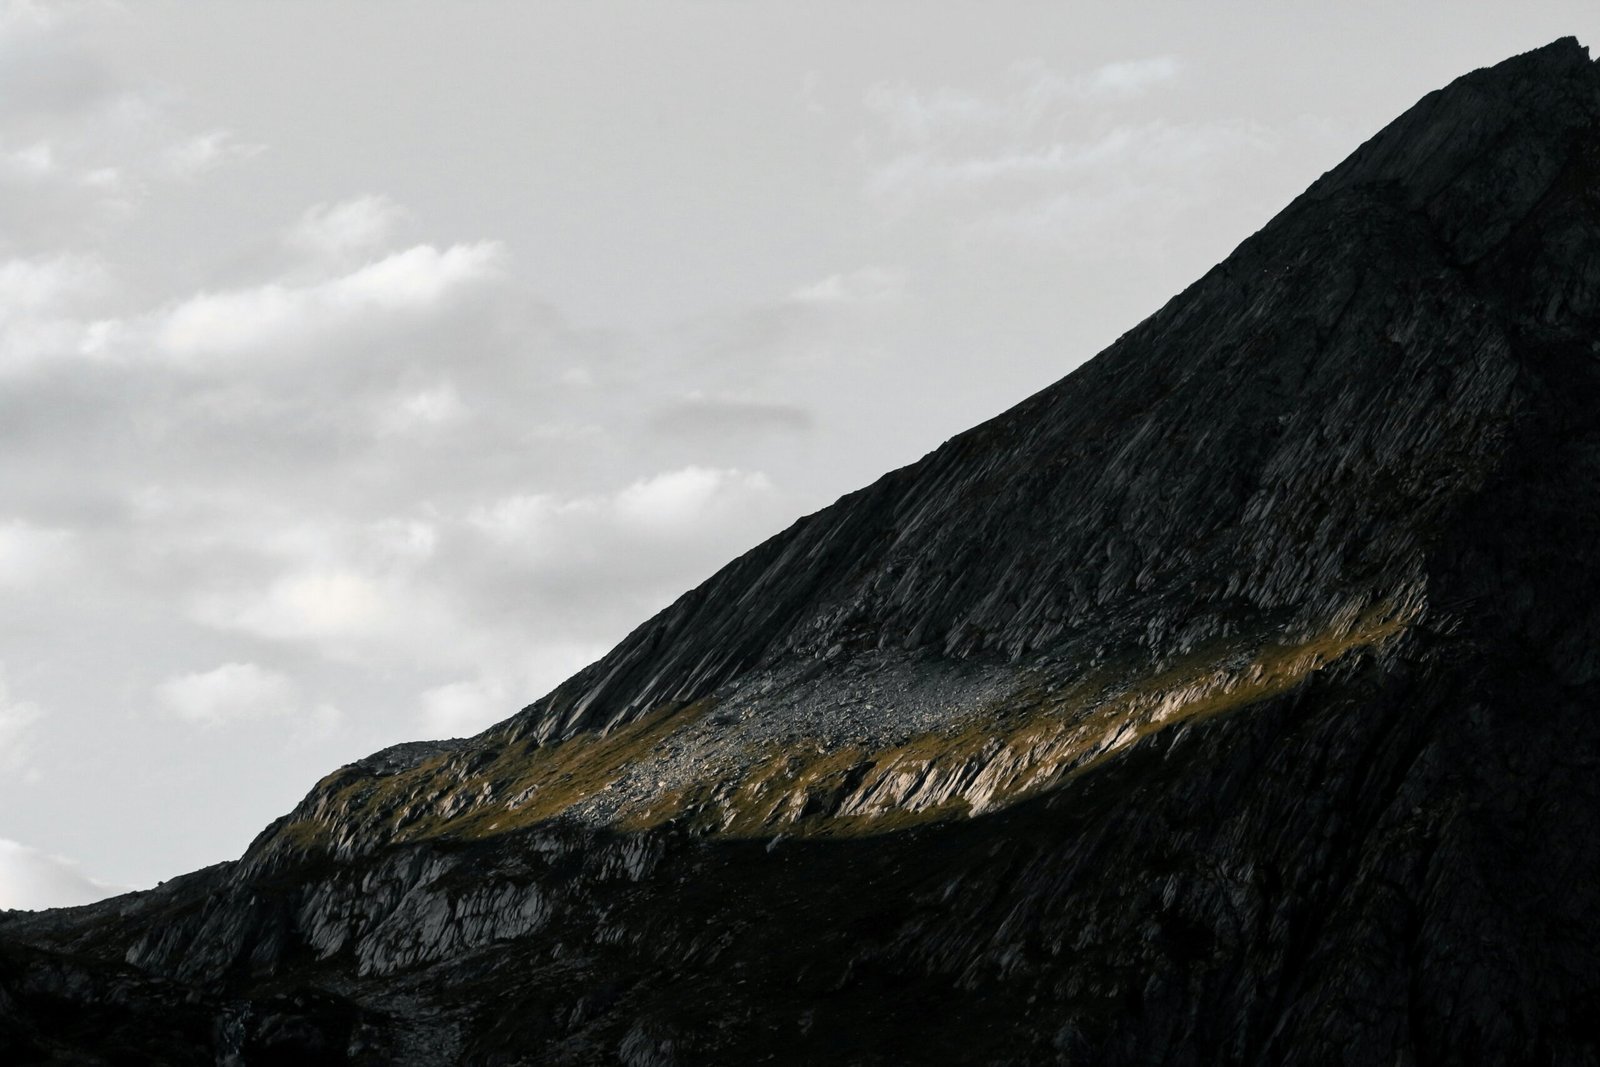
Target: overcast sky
365, 369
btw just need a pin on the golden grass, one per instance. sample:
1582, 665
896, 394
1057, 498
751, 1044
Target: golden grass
1028, 742
520, 785
1000, 755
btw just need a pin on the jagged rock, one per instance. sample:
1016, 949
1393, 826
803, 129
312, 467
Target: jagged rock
1232, 700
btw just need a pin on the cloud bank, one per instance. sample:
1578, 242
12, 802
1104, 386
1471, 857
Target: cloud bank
31, 879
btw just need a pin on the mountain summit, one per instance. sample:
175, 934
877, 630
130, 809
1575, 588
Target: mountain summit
1234, 699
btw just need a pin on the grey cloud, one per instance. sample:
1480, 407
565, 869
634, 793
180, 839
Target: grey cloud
45, 68
715, 419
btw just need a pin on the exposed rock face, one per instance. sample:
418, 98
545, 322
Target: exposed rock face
1232, 700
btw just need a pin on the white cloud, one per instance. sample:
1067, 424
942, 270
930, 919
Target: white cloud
46, 283
32, 554
19, 18
1132, 77
466, 706
83, 145
1144, 184
1138, 155
810, 95
460, 709
316, 724
36, 161
103, 179
417, 277
1033, 95
242, 319
348, 614
667, 503
1058, 159
350, 226
926, 175
501, 596
522, 517
424, 408
581, 571
476, 587
17, 718
275, 314
30, 342
38, 295
368, 593
1042, 132
917, 116
229, 693
194, 156
44, 67
868, 285
403, 540
315, 604
678, 499
31, 879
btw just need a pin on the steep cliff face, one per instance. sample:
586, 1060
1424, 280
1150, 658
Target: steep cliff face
1232, 700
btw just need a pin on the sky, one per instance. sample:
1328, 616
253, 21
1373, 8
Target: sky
368, 368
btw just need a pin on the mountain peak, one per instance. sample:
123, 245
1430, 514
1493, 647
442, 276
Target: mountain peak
1478, 154
1230, 700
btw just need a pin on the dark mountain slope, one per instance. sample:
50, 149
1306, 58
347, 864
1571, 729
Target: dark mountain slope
1235, 699
1352, 314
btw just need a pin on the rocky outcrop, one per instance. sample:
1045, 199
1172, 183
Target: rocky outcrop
1230, 701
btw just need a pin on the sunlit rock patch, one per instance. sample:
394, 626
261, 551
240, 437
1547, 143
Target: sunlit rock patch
739, 766
1036, 738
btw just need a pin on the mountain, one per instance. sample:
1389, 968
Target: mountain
1235, 699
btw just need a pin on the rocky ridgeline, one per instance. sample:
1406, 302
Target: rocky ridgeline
1231, 700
